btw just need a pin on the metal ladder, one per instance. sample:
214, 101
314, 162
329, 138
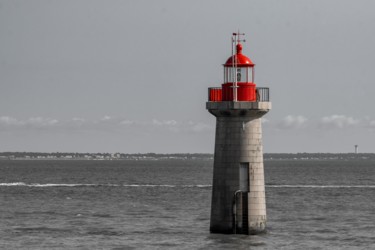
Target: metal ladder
240, 212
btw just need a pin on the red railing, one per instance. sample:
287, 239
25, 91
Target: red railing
215, 94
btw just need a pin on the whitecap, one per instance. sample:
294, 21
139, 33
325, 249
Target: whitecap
42, 185
13, 184
320, 186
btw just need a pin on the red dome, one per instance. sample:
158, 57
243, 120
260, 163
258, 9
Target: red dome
240, 59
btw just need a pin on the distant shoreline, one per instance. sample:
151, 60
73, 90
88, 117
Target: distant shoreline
180, 156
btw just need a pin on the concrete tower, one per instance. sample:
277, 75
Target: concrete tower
238, 193
356, 149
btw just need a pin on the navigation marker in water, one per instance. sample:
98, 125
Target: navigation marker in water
238, 193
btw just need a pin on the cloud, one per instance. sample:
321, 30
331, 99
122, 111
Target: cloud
106, 118
127, 122
105, 123
292, 122
338, 121
116, 124
164, 123
199, 126
77, 119
9, 121
40, 122
183, 127
33, 122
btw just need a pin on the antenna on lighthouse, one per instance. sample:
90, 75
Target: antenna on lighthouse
236, 39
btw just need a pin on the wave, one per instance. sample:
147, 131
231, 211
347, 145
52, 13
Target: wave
22, 184
44, 185
11, 184
320, 186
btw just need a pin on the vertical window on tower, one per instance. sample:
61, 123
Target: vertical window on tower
242, 74
228, 74
250, 74
238, 74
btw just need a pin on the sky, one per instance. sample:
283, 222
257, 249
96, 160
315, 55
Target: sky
132, 75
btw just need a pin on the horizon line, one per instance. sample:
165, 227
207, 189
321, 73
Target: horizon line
184, 153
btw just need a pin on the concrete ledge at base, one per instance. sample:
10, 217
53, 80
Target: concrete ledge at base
238, 105
257, 231
219, 230
252, 230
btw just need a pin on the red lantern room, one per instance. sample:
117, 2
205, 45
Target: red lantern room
238, 77
244, 65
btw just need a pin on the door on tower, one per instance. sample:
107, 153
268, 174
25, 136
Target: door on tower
241, 208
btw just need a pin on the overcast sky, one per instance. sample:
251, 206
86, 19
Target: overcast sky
132, 75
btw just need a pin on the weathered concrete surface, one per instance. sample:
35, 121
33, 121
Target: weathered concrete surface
238, 105
238, 140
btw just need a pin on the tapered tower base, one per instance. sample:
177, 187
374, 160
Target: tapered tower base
238, 193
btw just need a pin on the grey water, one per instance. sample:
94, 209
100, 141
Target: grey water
165, 204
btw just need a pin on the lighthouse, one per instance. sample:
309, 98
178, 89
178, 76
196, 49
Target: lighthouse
238, 203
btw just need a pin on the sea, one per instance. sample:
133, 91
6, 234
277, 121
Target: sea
165, 204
